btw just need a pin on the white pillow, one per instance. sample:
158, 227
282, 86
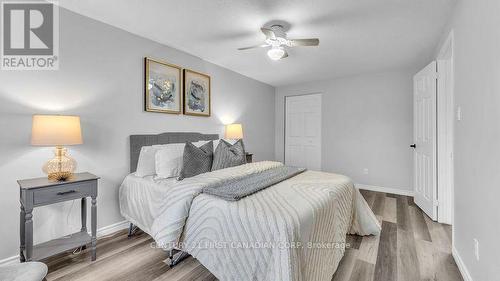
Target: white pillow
168, 159
146, 162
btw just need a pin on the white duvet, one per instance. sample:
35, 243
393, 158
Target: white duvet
294, 230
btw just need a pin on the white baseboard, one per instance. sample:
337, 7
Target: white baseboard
461, 265
397, 191
112, 228
103, 231
10, 260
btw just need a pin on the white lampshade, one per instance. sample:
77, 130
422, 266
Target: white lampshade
234, 131
56, 130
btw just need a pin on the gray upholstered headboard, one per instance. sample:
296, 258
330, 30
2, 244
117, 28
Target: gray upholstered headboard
138, 141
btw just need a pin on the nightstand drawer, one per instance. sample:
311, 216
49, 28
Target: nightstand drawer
63, 192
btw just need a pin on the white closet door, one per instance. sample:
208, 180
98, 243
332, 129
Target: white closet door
303, 131
424, 110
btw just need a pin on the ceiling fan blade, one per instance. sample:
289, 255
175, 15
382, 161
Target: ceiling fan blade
268, 32
253, 47
303, 42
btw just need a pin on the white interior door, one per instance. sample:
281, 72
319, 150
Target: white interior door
424, 124
303, 131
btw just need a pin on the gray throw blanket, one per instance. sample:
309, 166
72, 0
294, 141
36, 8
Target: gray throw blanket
237, 188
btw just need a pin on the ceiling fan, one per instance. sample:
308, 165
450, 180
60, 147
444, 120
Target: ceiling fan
276, 39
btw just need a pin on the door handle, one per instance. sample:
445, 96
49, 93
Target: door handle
413, 146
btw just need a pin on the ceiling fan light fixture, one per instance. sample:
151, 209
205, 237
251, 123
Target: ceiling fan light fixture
276, 53
276, 39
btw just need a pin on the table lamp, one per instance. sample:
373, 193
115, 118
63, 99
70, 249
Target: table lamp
234, 132
57, 130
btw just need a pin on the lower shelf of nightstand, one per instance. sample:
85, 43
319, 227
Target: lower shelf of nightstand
60, 245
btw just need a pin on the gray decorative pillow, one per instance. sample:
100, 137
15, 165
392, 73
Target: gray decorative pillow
227, 155
196, 160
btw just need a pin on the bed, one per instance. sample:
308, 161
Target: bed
293, 230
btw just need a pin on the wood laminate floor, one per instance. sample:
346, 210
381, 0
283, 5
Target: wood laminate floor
411, 247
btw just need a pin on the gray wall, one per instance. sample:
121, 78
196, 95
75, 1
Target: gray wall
367, 123
477, 136
101, 79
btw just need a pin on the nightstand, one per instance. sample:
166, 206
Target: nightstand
40, 192
249, 157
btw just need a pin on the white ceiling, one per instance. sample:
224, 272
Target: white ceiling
356, 36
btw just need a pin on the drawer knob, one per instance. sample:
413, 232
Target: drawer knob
66, 192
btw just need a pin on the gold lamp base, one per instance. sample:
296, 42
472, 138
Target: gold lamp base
61, 167
60, 176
